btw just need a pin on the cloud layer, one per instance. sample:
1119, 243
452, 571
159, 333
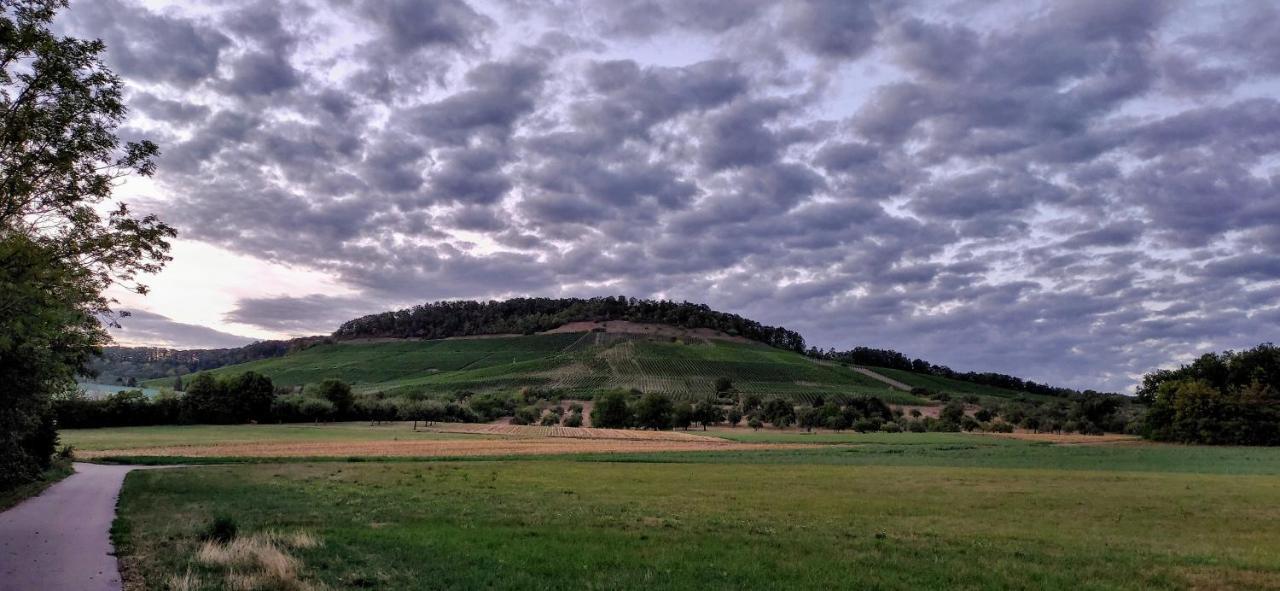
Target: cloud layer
1075, 192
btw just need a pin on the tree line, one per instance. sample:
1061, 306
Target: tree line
445, 319
895, 360
122, 364
1228, 398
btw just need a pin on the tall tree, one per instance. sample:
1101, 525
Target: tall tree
60, 158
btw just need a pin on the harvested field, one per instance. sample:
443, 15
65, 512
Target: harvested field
437, 448
526, 431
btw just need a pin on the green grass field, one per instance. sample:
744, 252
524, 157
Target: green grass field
926, 511
172, 435
577, 364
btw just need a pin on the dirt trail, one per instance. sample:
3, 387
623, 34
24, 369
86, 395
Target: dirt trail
883, 378
58, 540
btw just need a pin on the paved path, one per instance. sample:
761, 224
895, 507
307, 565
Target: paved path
58, 540
883, 378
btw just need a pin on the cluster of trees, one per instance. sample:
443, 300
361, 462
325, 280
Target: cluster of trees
895, 360
529, 315
127, 365
1221, 398
251, 397
63, 241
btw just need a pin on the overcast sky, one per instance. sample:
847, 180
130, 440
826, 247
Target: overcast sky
1073, 192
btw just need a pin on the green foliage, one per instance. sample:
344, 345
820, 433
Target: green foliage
1227, 398
707, 412
529, 315
611, 411
58, 253
952, 412
526, 415
337, 392
654, 411
573, 420
682, 416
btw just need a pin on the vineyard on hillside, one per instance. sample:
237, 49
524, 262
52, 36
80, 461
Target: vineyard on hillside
572, 364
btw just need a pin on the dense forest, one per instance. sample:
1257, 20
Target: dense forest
895, 360
530, 315
1230, 398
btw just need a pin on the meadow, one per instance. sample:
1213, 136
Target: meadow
886, 511
716, 524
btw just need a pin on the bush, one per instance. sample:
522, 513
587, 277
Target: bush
917, 427
315, 409
611, 411
338, 393
866, 425
755, 423
573, 420
550, 420
891, 427
526, 415
734, 417
222, 529
1000, 427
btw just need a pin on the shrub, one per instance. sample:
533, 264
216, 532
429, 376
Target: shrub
222, 529
315, 409
611, 411
866, 425
891, 427
338, 393
526, 415
1000, 427
755, 423
735, 416
550, 420
917, 427
573, 420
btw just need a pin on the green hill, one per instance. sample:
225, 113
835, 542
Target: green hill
576, 364
952, 386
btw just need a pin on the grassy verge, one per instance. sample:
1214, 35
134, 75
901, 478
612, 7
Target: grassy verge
10, 497
570, 525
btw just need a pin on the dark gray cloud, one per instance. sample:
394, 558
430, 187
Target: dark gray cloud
1072, 191
300, 316
150, 329
177, 51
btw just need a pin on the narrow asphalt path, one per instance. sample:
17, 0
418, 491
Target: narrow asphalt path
59, 540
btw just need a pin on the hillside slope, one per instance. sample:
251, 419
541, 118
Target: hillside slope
574, 363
